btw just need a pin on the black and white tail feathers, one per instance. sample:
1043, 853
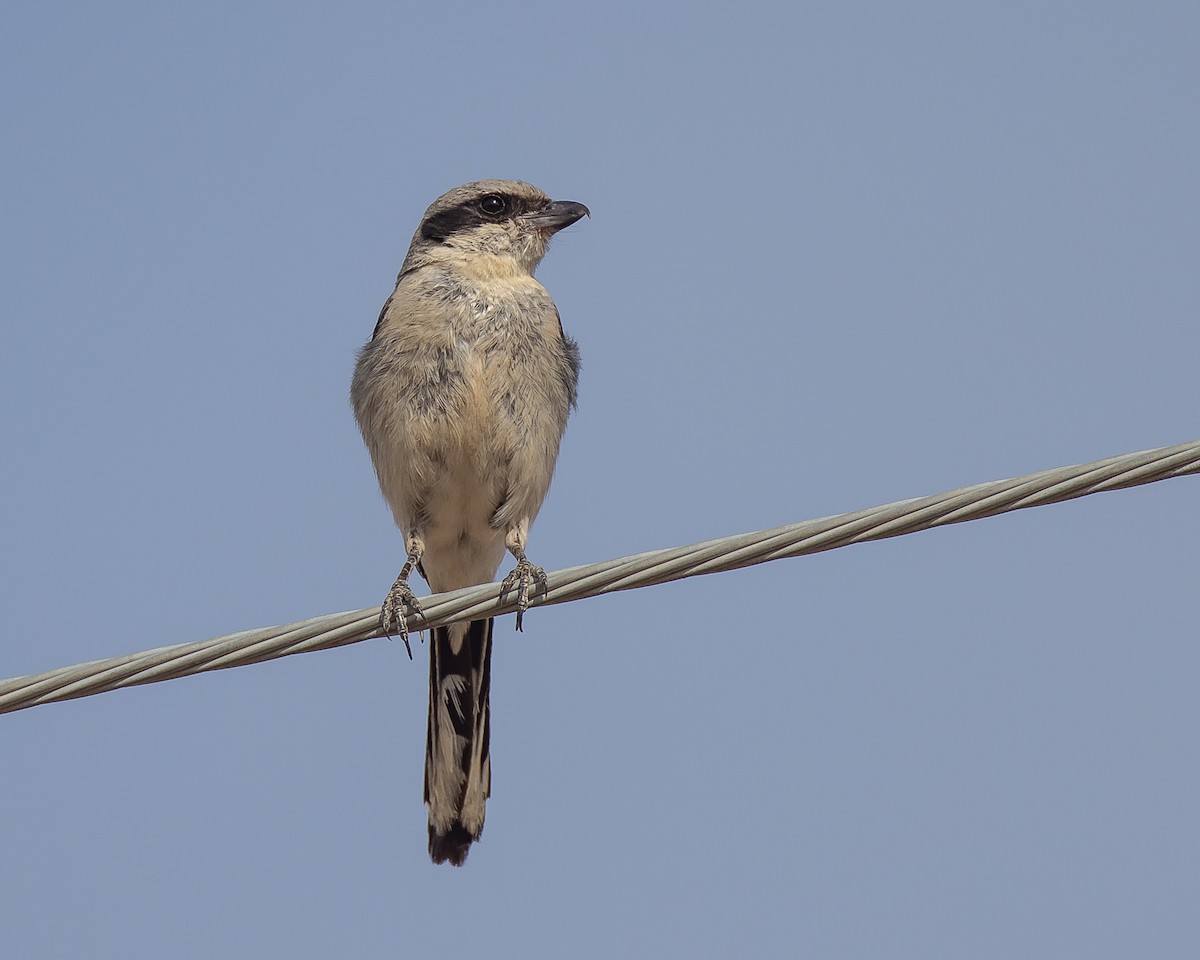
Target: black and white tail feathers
458, 769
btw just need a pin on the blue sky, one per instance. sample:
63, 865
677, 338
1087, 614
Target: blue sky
840, 254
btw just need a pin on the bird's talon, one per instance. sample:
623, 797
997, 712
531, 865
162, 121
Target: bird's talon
393, 615
522, 577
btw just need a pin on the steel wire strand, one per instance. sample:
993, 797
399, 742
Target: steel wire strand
645, 569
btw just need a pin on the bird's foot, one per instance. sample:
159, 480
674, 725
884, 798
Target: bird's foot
522, 578
392, 616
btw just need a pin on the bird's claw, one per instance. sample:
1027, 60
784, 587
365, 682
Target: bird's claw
393, 616
522, 577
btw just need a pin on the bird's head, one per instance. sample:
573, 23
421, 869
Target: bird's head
506, 220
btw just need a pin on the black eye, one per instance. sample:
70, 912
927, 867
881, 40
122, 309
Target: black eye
493, 204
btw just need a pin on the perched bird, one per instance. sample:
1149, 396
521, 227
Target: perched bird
462, 396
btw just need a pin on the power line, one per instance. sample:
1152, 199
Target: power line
626, 573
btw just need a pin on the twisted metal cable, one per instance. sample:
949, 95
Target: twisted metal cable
626, 573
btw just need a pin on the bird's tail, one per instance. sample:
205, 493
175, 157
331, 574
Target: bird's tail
458, 769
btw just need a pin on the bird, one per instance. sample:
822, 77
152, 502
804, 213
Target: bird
462, 396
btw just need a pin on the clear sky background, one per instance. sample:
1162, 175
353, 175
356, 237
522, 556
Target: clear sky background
840, 254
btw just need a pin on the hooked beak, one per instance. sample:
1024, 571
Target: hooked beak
556, 215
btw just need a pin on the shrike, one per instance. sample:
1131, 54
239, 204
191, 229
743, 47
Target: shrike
462, 395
